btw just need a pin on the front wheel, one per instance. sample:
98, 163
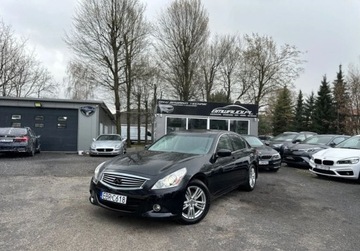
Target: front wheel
196, 204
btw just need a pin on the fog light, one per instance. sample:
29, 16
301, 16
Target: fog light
156, 207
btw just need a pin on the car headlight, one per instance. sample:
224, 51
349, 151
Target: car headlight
93, 146
311, 150
117, 147
97, 172
276, 156
171, 180
349, 161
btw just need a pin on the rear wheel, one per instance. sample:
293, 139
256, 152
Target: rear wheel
251, 179
196, 204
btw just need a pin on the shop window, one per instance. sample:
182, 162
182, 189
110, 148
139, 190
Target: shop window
61, 125
176, 124
218, 124
16, 124
241, 127
39, 118
16, 117
197, 124
39, 125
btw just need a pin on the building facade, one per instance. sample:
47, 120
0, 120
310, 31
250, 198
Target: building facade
64, 125
173, 115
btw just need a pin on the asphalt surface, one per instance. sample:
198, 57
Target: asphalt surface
44, 206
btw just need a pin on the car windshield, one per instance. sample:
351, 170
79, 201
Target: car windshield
318, 140
108, 137
253, 141
284, 137
351, 143
193, 144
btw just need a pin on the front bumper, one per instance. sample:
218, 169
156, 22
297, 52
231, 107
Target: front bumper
271, 164
142, 202
347, 172
105, 152
297, 160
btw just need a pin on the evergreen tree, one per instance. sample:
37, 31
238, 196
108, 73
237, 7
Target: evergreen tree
299, 122
341, 100
324, 113
309, 108
282, 112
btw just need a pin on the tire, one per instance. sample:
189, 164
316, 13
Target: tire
251, 180
196, 203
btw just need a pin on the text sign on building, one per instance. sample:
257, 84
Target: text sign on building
206, 109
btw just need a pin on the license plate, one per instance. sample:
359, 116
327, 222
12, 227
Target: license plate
263, 162
6, 140
113, 197
323, 167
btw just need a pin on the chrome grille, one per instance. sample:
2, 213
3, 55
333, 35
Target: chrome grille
262, 157
123, 181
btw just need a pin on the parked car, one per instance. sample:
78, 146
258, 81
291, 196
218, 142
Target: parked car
268, 158
300, 154
342, 161
19, 140
288, 138
265, 138
108, 144
177, 176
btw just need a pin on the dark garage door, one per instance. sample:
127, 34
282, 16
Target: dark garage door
58, 127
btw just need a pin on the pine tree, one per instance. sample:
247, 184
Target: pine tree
341, 100
324, 113
282, 112
309, 108
299, 123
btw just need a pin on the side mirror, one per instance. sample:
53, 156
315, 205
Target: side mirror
223, 153
332, 144
94, 139
296, 141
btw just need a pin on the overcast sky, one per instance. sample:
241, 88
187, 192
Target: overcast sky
327, 30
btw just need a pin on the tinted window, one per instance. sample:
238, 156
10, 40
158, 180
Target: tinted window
224, 143
239, 143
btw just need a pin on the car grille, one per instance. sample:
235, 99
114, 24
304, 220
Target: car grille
123, 181
104, 149
263, 157
324, 162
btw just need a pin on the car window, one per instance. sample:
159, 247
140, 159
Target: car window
254, 141
224, 143
351, 143
238, 142
338, 140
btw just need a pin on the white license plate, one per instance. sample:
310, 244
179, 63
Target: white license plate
323, 167
263, 162
6, 140
113, 197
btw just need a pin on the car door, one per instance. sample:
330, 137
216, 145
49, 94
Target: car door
241, 154
223, 175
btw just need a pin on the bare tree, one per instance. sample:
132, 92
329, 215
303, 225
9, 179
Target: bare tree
182, 33
106, 36
268, 67
214, 55
353, 81
81, 81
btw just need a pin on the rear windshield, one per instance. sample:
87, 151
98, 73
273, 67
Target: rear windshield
12, 131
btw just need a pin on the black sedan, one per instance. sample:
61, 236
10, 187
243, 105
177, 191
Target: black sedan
177, 176
19, 140
268, 157
300, 154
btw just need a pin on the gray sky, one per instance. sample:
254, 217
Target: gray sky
327, 30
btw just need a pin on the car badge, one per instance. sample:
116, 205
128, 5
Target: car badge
87, 110
117, 181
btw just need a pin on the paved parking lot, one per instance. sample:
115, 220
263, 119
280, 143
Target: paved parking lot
44, 206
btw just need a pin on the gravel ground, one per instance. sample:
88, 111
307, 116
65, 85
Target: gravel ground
44, 206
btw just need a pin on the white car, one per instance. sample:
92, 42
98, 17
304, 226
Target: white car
108, 144
342, 161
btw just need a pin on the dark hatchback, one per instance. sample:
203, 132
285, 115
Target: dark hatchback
268, 157
177, 176
300, 154
288, 138
19, 140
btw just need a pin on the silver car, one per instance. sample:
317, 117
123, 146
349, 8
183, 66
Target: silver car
108, 144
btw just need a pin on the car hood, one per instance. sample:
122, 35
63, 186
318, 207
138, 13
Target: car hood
149, 163
106, 143
266, 150
308, 146
337, 153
